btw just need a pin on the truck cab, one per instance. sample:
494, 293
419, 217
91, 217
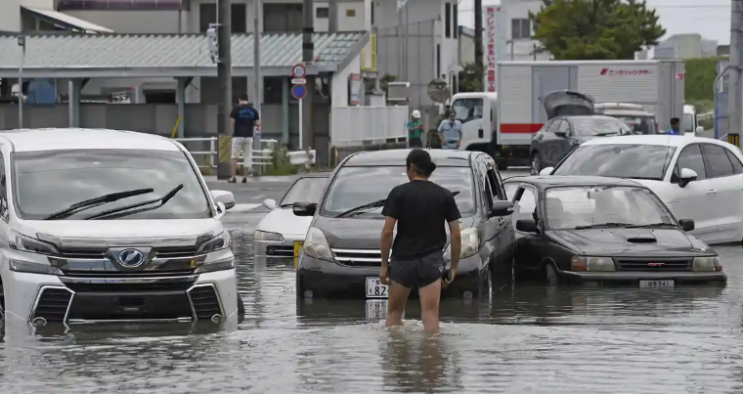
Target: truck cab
690, 121
478, 114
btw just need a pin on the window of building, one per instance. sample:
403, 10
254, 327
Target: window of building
373, 8
272, 87
282, 18
136, 5
438, 58
455, 16
447, 20
322, 13
238, 17
520, 29
207, 15
350, 12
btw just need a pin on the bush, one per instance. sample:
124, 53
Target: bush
280, 164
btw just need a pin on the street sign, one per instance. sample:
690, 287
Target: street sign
298, 71
299, 91
299, 81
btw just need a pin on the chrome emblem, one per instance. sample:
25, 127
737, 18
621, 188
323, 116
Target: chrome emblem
131, 258
656, 264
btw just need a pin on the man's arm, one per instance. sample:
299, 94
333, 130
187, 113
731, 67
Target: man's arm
391, 212
233, 115
257, 119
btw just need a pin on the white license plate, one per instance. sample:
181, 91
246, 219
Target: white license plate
375, 288
376, 309
655, 284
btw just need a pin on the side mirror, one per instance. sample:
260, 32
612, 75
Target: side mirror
561, 134
687, 224
501, 208
526, 226
223, 196
700, 129
303, 208
546, 171
687, 175
269, 203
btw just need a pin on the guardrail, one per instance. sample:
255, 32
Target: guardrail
261, 157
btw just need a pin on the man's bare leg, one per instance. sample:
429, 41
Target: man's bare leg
430, 297
234, 168
396, 300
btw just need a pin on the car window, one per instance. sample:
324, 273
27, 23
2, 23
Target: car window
691, 158
511, 190
355, 186
496, 183
737, 165
716, 162
571, 207
688, 123
639, 124
3, 190
554, 126
526, 205
564, 127
72, 176
589, 126
305, 189
619, 161
467, 109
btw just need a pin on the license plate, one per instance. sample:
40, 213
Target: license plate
376, 309
297, 250
655, 284
375, 288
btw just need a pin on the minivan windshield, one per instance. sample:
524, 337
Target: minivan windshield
46, 182
305, 189
619, 161
355, 186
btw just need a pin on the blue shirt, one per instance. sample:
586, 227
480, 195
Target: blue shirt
452, 132
671, 131
245, 116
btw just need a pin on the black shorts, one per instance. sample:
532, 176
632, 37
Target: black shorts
415, 142
418, 272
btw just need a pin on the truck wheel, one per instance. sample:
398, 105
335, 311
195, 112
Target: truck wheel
536, 165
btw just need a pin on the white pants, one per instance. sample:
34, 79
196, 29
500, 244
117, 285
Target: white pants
243, 146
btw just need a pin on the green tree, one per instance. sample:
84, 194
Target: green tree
470, 79
595, 29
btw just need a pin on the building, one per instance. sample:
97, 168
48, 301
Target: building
685, 46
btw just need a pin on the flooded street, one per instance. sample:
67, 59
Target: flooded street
526, 339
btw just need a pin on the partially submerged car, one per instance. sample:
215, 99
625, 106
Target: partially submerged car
341, 254
594, 229
280, 234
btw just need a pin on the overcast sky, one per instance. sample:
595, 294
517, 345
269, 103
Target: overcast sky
710, 18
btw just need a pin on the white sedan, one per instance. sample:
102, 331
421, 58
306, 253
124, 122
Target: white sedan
281, 233
698, 178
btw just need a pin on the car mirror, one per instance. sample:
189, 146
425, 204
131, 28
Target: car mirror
223, 196
546, 171
526, 226
561, 134
269, 203
700, 129
501, 208
304, 208
687, 224
687, 175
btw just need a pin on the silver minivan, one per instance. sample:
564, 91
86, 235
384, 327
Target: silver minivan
105, 225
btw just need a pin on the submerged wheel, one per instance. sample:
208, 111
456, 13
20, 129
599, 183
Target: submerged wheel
501, 162
536, 165
240, 306
550, 274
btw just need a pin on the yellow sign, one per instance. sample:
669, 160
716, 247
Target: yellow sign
297, 250
733, 138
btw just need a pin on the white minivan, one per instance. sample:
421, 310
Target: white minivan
114, 226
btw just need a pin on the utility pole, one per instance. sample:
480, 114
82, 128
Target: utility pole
258, 93
308, 55
735, 91
479, 66
224, 80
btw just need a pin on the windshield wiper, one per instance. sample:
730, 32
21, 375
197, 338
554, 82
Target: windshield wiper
129, 209
94, 202
368, 206
603, 225
667, 225
605, 134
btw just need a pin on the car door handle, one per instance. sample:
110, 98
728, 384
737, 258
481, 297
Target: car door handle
711, 191
501, 220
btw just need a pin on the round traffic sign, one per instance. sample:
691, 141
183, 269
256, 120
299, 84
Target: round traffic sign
299, 91
299, 71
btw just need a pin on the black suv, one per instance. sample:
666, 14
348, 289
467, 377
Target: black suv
341, 253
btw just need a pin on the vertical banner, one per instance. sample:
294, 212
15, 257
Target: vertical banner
490, 43
354, 89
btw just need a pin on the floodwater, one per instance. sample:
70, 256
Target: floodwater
526, 339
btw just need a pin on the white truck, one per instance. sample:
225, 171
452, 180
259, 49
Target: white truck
503, 123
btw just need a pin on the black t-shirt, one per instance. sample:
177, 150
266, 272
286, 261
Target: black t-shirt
245, 116
422, 210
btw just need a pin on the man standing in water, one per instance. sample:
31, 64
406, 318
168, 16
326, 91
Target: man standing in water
421, 209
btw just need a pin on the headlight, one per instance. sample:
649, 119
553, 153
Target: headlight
316, 245
267, 236
216, 265
33, 268
592, 264
707, 264
470, 244
21, 242
221, 241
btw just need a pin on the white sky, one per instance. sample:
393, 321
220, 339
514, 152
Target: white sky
710, 18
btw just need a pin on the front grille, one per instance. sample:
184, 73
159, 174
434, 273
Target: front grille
358, 257
52, 304
82, 253
121, 274
205, 302
280, 251
174, 252
653, 265
128, 287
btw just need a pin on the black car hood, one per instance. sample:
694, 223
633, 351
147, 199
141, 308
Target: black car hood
358, 233
629, 242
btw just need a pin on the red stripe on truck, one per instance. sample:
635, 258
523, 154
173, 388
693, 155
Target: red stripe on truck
521, 128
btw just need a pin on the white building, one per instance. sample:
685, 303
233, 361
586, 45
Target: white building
685, 46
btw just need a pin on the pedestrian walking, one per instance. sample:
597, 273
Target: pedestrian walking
675, 127
415, 128
245, 119
450, 132
421, 209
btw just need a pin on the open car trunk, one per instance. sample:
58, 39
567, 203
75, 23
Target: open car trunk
567, 103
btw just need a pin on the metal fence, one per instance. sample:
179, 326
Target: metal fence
209, 158
358, 126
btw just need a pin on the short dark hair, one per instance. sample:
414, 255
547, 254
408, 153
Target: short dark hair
243, 97
675, 120
421, 161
